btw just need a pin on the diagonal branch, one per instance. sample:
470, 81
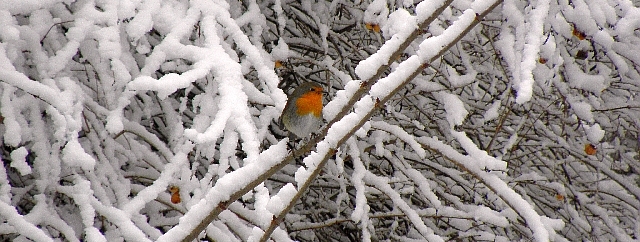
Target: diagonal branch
221, 206
184, 232
379, 103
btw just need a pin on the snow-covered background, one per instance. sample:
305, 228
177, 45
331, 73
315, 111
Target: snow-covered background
156, 120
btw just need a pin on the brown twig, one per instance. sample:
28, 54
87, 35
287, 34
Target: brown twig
363, 90
50, 28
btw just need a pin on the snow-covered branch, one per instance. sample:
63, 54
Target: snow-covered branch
445, 120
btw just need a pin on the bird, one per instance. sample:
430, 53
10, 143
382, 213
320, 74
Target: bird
302, 114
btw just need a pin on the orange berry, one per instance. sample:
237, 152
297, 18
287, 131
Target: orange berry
369, 26
578, 34
175, 194
542, 60
590, 149
372, 26
376, 28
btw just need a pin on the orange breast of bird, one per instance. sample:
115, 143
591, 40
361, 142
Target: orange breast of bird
310, 102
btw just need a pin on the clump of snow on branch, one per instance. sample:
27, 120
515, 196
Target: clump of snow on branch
594, 133
456, 112
400, 21
141, 120
18, 161
74, 155
532, 41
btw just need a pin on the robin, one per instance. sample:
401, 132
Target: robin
303, 112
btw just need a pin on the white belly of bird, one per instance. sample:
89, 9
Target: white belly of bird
306, 125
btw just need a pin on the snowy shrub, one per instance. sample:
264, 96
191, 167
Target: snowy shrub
477, 120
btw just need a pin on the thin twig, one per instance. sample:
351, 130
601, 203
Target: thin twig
50, 28
359, 94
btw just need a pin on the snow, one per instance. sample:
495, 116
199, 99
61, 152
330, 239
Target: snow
382, 184
361, 209
378, 138
107, 103
456, 112
167, 84
583, 19
458, 80
604, 38
492, 112
141, 23
344, 125
400, 21
367, 68
27, 6
223, 188
340, 99
213, 132
362, 131
118, 217
343, 78
598, 13
281, 51
376, 13
324, 32
301, 175
10, 33
114, 122
507, 43
159, 185
389, 83
482, 158
480, 6
76, 34
578, 79
121, 75
265, 73
18, 161
282, 21
627, 24
81, 193
425, 9
533, 40
402, 134
514, 200
5, 187
618, 234
277, 202
531, 176
430, 47
594, 133
263, 215
12, 131
423, 185
108, 42
9, 75
74, 155
93, 234
583, 110
26, 228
